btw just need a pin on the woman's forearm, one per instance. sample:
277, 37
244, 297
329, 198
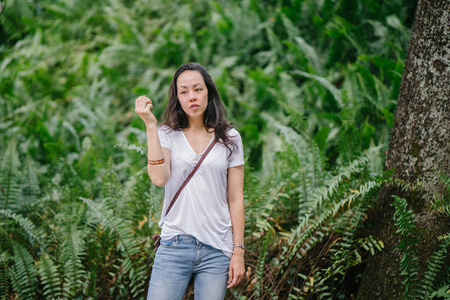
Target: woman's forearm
236, 202
159, 174
237, 220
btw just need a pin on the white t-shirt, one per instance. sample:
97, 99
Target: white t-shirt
201, 209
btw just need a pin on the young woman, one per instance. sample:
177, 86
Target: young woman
202, 236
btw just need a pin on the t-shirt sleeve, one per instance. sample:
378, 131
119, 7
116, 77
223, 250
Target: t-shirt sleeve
237, 156
164, 137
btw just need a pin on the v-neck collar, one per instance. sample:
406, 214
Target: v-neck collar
192, 149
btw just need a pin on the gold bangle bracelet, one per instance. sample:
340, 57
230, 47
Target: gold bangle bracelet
156, 162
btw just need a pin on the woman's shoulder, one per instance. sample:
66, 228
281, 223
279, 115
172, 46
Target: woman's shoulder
233, 133
165, 129
166, 132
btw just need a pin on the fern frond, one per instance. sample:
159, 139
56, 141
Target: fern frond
309, 52
442, 202
308, 227
405, 223
12, 14
337, 94
72, 253
345, 29
311, 55
442, 293
138, 149
309, 163
24, 223
324, 194
126, 243
117, 226
344, 252
260, 267
23, 273
434, 267
30, 182
50, 277
10, 177
5, 260
110, 192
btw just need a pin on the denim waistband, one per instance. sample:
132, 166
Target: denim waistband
189, 239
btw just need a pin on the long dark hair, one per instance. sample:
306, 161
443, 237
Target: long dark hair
214, 117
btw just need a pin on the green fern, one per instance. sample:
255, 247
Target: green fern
429, 286
25, 224
434, 268
50, 277
337, 94
30, 182
327, 220
324, 194
116, 226
442, 202
443, 292
23, 273
347, 253
308, 227
5, 260
405, 223
309, 164
126, 244
73, 252
110, 193
13, 12
309, 52
65, 109
260, 267
9, 177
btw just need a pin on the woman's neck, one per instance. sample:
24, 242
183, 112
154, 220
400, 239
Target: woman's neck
196, 125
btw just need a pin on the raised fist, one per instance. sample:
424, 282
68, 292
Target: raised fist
143, 106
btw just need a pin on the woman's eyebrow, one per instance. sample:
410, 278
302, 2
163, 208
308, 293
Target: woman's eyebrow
183, 86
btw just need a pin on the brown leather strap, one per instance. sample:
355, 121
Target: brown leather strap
190, 176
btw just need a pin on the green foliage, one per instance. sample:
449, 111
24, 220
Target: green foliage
311, 86
430, 285
15, 17
306, 211
25, 225
442, 202
260, 268
405, 223
50, 277
9, 177
23, 273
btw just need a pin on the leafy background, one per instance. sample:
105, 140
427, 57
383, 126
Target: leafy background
311, 86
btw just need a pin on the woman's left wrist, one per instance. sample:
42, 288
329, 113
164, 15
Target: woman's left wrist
239, 245
238, 250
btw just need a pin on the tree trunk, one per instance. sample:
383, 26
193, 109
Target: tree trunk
419, 145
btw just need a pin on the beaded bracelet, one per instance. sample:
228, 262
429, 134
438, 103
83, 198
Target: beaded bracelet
239, 245
156, 162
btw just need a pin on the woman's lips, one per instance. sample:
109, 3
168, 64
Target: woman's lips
194, 107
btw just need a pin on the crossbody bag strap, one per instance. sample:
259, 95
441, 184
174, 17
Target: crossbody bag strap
190, 175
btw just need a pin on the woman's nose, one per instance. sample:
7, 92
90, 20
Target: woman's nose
191, 96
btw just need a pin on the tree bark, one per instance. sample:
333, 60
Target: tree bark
419, 145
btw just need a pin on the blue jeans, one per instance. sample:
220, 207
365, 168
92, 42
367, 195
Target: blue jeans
182, 257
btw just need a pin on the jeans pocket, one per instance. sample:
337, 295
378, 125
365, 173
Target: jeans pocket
170, 242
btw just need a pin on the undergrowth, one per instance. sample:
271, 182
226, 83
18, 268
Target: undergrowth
310, 85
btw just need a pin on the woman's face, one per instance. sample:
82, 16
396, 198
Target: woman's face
192, 94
